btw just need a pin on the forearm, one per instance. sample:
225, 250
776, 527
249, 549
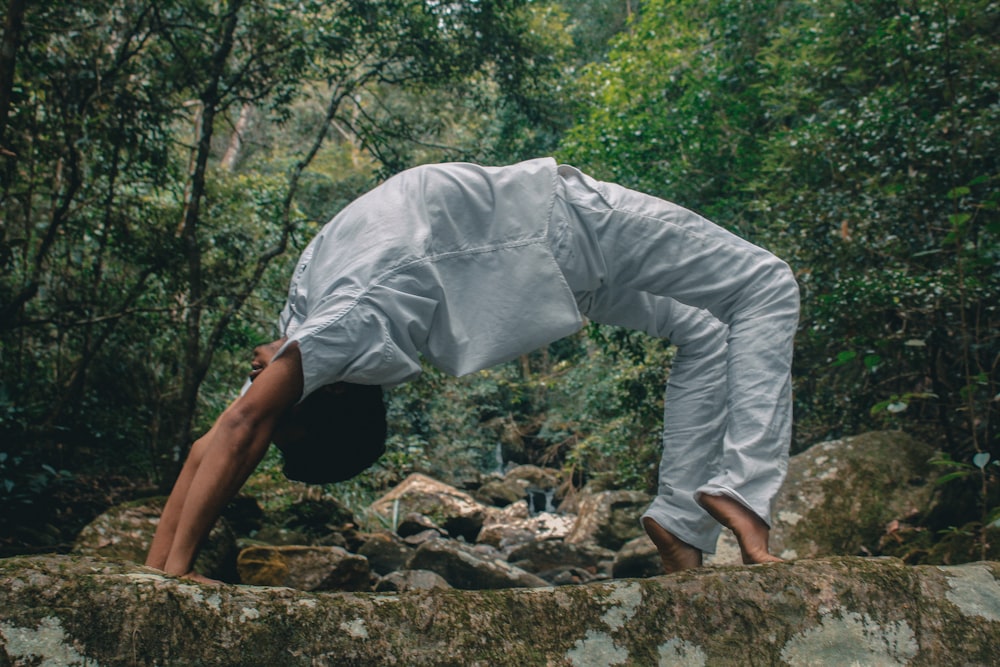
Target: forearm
169, 518
230, 457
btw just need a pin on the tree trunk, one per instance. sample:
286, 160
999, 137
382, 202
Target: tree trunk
195, 365
236, 138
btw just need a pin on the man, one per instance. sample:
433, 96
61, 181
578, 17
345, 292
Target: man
471, 266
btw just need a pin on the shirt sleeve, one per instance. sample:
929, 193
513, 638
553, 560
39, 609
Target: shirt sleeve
356, 345
293, 314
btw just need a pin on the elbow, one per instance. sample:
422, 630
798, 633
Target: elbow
781, 288
198, 449
240, 429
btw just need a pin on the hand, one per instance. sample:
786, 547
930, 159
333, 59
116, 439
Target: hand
262, 355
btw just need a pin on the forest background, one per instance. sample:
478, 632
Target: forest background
164, 162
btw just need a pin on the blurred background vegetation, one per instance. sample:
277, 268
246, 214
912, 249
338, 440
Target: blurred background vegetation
164, 162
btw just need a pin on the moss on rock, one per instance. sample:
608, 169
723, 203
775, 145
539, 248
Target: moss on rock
839, 495
873, 611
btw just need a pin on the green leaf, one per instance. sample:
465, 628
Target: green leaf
958, 220
946, 460
844, 357
958, 474
958, 192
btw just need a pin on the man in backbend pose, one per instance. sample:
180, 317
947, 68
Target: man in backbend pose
471, 266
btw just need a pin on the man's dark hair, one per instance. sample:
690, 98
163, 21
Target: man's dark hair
345, 432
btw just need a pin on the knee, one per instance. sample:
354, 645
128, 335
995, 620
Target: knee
785, 288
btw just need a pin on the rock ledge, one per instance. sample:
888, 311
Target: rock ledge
82, 610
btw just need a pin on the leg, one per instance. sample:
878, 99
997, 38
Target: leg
694, 416
649, 245
751, 473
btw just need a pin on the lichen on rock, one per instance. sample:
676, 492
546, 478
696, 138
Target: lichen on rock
79, 610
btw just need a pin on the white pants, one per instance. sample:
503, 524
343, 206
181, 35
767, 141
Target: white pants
730, 307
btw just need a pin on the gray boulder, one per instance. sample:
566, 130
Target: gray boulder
75, 611
547, 555
304, 568
125, 532
385, 552
499, 493
415, 523
515, 524
462, 566
411, 580
840, 495
454, 510
608, 518
638, 558
531, 476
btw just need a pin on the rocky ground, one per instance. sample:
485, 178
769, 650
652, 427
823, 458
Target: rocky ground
528, 528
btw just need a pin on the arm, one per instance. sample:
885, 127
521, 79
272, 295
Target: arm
221, 461
160, 548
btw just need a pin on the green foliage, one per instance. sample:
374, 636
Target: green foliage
21, 483
26, 487
591, 405
605, 411
983, 471
858, 141
450, 428
159, 158
592, 24
676, 111
883, 171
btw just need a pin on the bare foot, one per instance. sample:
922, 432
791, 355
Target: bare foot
676, 554
201, 579
750, 530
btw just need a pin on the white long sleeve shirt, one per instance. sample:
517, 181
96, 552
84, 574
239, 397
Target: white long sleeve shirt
451, 261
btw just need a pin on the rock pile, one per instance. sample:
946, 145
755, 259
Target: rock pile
434, 536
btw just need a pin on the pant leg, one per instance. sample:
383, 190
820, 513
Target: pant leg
637, 242
694, 410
